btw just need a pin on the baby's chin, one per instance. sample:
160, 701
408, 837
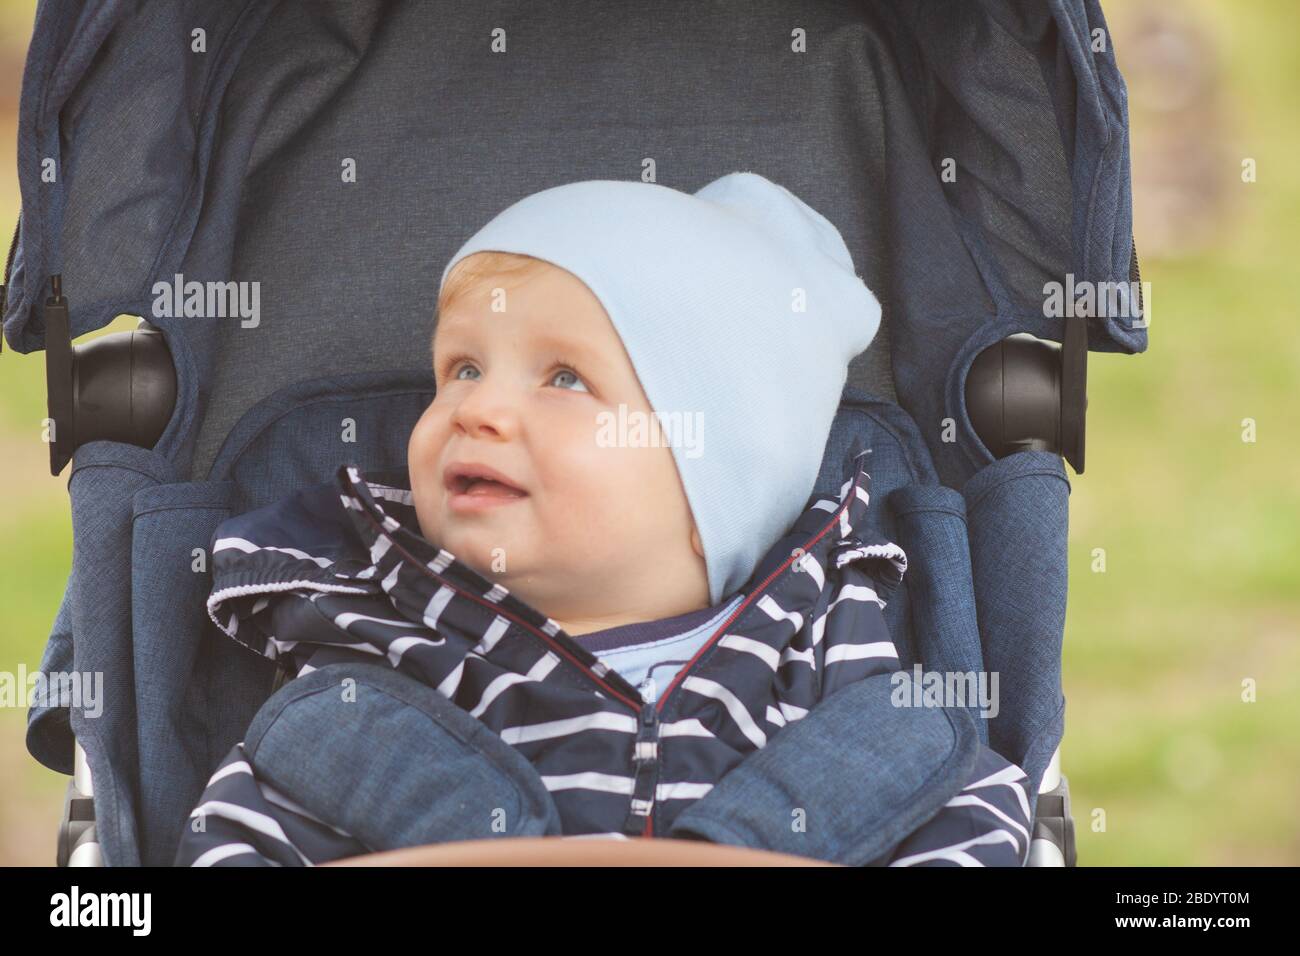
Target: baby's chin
489, 552
511, 566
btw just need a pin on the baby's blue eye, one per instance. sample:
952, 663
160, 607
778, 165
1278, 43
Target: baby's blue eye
575, 378
459, 365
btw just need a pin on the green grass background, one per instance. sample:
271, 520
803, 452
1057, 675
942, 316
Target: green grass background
1167, 764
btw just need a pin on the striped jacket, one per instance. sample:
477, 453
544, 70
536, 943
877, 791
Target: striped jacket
350, 550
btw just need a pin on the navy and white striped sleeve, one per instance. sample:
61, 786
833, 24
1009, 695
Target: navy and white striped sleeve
986, 824
854, 637
242, 820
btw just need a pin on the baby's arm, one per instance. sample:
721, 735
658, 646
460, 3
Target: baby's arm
856, 780
242, 820
860, 782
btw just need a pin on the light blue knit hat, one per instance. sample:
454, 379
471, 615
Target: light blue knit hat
740, 309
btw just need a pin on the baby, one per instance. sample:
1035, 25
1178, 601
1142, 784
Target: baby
635, 633
526, 362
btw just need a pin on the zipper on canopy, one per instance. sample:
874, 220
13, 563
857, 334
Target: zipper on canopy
1135, 274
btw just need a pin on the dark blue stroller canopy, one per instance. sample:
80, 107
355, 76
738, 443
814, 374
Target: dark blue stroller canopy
336, 154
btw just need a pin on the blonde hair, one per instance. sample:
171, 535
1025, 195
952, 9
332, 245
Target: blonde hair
470, 271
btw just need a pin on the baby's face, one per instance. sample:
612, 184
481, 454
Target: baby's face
597, 530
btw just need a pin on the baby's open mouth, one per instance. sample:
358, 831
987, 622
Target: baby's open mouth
474, 487
483, 487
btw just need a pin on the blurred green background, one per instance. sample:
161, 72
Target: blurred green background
1201, 588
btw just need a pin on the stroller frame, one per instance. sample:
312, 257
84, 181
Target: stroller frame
217, 168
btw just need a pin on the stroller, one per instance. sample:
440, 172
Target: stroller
273, 187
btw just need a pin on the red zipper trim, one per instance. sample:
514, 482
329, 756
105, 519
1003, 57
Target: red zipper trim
807, 546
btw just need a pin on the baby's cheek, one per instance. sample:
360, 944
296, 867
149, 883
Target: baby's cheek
421, 442
424, 489
421, 513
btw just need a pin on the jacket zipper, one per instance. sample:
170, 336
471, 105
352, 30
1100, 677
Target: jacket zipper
646, 711
653, 707
4, 287
649, 749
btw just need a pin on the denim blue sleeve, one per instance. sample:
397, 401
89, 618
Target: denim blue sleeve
845, 783
242, 820
895, 790
986, 824
865, 779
